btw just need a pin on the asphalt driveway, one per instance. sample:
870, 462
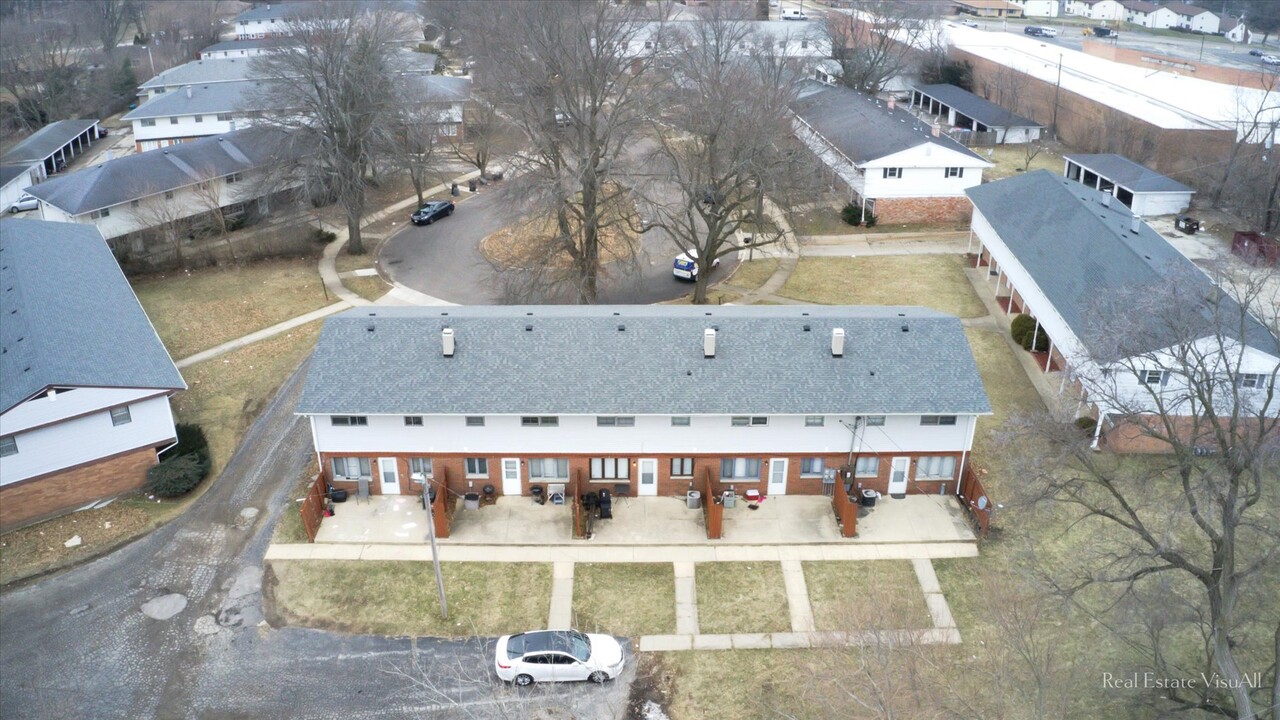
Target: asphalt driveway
444, 260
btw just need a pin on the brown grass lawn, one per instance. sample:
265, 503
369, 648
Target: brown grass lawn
714, 297
1010, 393
855, 595
822, 220
197, 310
346, 262
630, 599
934, 281
289, 528
751, 275
1010, 159
741, 597
39, 548
399, 598
370, 287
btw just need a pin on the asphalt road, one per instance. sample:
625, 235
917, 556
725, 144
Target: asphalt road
444, 260
77, 645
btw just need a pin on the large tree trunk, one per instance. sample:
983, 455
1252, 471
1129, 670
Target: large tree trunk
355, 243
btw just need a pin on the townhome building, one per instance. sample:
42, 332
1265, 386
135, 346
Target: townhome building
239, 49
1194, 18
197, 72
642, 400
1095, 9
1038, 8
1149, 14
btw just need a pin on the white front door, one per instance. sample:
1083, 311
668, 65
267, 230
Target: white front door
898, 476
389, 475
648, 483
511, 476
777, 476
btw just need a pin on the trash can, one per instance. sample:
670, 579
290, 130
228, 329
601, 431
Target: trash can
471, 501
337, 495
869, 498
729, 498
605, 505
539, 494
471, 185
453, 190
694, 499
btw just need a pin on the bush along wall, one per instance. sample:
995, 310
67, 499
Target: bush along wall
180, 472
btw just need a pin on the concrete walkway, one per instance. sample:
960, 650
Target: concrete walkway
263, 334
561, 614
585, 551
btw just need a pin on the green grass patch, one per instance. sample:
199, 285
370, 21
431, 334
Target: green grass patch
934, 281
630, 599
855, 595
741, 597
399, 597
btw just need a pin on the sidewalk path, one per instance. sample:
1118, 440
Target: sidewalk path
262, 334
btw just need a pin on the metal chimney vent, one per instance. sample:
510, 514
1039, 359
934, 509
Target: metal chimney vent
837, 342
446, 341
709, 343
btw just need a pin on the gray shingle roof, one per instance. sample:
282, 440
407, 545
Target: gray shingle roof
46, 141
250, 44
863, 128
137, 176
576, 360
9, 171
980, 109
224, 97
1083, 255
280, 10
438, 88
199, 72
1128, 174
70, 317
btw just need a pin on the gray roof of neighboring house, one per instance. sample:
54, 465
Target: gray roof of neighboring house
12, 171
250, 44
978, 108
1085, 258
47, 140
218, 97
1141, 6
197, 72
1186, 10
279, 10
70, 317
1127, 173
440, 88
137, 176
863, 128
642, 360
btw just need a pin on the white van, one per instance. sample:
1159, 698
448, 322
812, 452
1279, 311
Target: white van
793, 14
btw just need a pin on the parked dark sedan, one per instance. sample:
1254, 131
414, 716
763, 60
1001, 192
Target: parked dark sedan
432, 212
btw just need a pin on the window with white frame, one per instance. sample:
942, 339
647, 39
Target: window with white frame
814, 421
1252, 380
610, 469
539, 421
937, 419
1152, 377
955, 172
680, 421
121, 416
475, 421
168, 194
740, 469
420, 468
615, 421
936, 467
351, 467
149, 122
892, 173
96, 214
549, 468
681, 467
413, 421
233, 177
224, 117
867, 466
173, 121
8, 446
811, 466
875, 421
349, 420
748, 421
199, 118
477, 467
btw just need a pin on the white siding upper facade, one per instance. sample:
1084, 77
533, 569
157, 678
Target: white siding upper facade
1105, 10
1158, 19
1204, 21
74, 428
1038, 8
927, 170
154, 133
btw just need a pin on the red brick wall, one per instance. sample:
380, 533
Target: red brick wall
1182, 66
668, 485
48, 495
923, 210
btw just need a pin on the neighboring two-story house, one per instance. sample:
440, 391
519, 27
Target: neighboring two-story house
197, 72
774, 399
1149, 14
271, 20
84, 380
1194, 18
196, 111
1096, 9
884, 158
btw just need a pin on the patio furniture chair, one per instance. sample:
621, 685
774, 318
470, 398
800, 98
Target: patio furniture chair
362, 489
621, 491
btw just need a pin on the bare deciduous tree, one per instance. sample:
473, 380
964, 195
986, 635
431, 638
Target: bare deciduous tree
488, 136
875, 40
414, 134
1184, 543
40, 68
109, 19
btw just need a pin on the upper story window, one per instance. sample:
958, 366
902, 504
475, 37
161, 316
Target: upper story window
937, 419
224, 117
149, 122
955, 172
121, 416
1252, 380
875, 421
615, 421
96, 214
173, 121
233, 177
680, 421
8, 446
748, 421
540, 421
413, 421
892, 173
199, 118
349, 420
475, 421
1152, 377
814, 421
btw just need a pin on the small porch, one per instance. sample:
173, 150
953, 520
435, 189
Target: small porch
648, 521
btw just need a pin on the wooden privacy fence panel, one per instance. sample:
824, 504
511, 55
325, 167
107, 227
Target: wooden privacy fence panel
846, 510
712, 510
580, 529
442, 506
973, 496
313, 507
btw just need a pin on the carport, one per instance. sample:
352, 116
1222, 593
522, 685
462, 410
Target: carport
53, 145
963, 109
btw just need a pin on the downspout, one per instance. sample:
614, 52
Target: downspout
315, 444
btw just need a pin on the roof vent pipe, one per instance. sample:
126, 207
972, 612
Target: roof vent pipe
1134, 223
188, 92
1106, 200
709, 343
937, 130
837, 342
446, 341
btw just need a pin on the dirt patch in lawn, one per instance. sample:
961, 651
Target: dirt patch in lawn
933, 281
196, 310
853, 595
39, 548
484, 598
741, 597
630, 599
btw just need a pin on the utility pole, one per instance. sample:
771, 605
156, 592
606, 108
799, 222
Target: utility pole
435, 556
1056, 87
